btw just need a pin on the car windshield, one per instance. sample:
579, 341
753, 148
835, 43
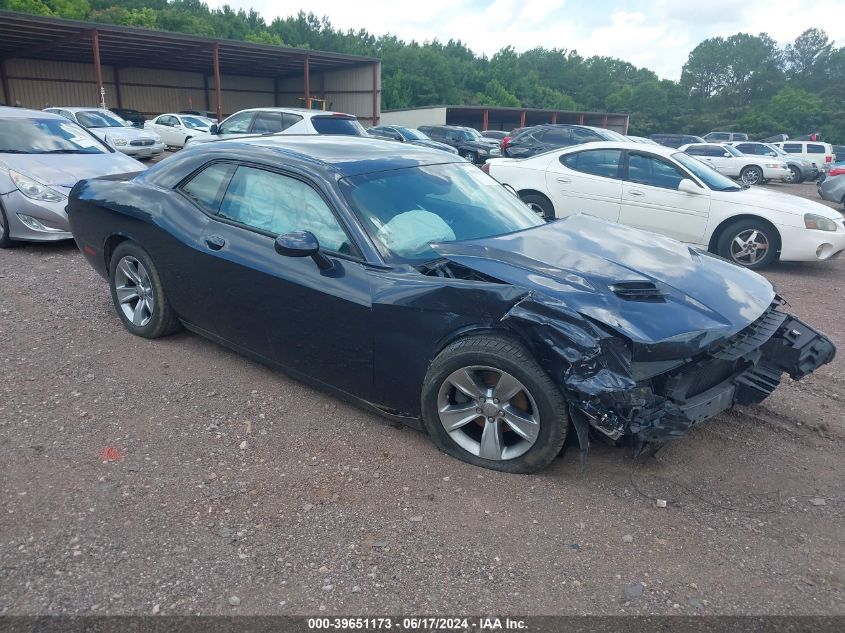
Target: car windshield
338, 125
412, 135
95, 119
709, 176
194, 122
610, 135
46, 136
405, 210
474, 135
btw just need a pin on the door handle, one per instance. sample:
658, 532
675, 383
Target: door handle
564, 180
215, 242
636, 193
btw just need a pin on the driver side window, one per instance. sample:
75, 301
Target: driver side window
647, 170
278, 204
237, 123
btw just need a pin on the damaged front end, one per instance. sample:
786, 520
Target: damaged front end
656, 392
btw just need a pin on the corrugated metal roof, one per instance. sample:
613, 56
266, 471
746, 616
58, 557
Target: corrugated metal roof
36, 37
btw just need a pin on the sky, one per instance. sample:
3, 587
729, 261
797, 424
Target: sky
656, 34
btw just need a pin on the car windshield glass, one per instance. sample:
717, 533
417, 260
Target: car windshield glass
610, 135
194, 122
46, 136
338, 125
404, 210
92, 118
705, 173
474, 135
412, 135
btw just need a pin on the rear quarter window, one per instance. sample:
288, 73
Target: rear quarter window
337, 125
813, 148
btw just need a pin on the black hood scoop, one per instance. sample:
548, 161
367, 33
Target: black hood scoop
637, 291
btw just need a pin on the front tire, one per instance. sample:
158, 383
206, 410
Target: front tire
751, 175
5, 240
539, 204
138, 294
487, 402
796, 175
750, 243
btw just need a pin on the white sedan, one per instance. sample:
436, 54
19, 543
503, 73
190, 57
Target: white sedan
663, 190
176, 130
748, 168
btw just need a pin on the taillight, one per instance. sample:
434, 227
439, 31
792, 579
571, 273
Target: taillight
486, 168
828, 159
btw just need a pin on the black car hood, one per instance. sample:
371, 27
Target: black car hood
576, 261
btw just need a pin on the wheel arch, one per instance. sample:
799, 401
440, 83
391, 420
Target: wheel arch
110, 245
720, 229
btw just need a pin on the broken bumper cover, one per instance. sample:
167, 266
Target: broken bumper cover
743, 371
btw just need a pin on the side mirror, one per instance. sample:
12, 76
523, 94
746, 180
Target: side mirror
727, 155
302, 244
399, 138
688, 186
213, 129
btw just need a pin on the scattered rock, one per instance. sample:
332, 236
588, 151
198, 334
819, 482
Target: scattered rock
379, 544
817, 501
308, 506
323, 570
634, 590
243, 445
660, 503
416, 519
627, 539
328, 587
234, 601
356, 589
156, 609
696, 603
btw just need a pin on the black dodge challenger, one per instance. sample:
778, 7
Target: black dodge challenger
421, 287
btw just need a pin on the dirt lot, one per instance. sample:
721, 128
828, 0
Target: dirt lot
233, 489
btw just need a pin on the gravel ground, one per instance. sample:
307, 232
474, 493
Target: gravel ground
176, 477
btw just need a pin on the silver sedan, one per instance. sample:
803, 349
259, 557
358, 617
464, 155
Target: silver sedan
833, 189
42, 156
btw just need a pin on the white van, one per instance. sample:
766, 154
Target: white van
819, 153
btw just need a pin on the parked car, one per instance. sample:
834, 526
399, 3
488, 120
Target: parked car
722, 137
776, 138
676, 140
263, 121
408, 135
832, 188
544, 138
820, 154
838, 153
728, 160
800, 169
468, 141
503, 144
114, 131
133, 116
669, 192
42, 156
423, 290
494, 134
176, 130
206, 114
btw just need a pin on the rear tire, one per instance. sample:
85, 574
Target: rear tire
470, 156
530, 424
138, 294
741, 242
539, 204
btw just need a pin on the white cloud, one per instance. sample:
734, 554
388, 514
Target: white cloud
657, 34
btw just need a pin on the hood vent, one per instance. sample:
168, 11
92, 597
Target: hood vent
637, 291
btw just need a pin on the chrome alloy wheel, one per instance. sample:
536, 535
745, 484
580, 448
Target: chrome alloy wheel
134, 291
751, 176
536, 208
749, 247
488, 413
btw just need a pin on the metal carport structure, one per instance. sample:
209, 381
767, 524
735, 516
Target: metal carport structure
278, 74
